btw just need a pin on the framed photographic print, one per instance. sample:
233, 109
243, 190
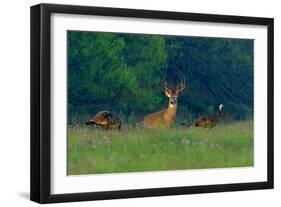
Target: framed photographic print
133, 103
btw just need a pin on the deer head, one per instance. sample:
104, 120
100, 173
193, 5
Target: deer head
173, 96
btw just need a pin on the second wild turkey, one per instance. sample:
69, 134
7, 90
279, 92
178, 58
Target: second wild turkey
106, 120
208, 121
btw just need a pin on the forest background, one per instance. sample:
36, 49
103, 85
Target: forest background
123, 73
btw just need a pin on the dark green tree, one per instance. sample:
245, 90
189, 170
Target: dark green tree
217, 71
123, 72
114, 71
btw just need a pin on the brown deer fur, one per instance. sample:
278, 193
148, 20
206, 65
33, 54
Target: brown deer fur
163, 118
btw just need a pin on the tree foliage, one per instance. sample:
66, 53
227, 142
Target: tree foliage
122, 73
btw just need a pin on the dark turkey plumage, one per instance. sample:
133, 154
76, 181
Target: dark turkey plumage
106, 120
208, 121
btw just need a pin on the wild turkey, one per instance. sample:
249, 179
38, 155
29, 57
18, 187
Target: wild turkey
208, 121
106, 120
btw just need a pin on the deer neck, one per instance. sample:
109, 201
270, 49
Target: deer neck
171, 110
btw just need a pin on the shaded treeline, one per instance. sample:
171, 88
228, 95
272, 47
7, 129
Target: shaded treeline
122, 73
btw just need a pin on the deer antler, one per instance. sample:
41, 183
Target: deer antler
164, 85
180, 87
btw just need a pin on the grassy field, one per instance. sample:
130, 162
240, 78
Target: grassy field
92, 150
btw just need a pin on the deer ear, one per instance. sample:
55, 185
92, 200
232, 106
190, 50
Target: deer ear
168, 94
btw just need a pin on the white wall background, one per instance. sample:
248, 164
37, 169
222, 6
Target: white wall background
14, 101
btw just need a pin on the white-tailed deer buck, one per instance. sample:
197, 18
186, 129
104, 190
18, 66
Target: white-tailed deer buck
165, 118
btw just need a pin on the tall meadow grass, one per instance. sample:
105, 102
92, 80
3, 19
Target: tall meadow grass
133, 149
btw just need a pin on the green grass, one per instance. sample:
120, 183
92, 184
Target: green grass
135, 149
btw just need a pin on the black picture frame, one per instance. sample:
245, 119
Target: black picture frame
40, 184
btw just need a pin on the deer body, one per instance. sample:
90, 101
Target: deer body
165, 118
